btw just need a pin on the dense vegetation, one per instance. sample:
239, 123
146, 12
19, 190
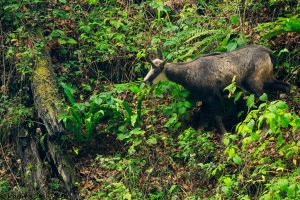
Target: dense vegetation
129, 140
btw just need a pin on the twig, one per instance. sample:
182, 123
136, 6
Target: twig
3, 58
6, 162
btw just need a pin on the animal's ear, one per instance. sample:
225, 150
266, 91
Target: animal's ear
148, 58
160, 55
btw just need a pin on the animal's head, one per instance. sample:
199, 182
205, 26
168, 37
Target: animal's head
157, 72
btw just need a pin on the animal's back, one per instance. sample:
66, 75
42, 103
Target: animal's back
214, 72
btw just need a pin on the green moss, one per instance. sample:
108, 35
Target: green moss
45, 89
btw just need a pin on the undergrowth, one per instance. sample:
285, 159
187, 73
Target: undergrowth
98, 50
164, 158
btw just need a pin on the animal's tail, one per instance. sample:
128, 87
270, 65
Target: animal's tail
278, 85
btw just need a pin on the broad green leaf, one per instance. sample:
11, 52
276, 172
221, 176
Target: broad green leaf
126, 196
281, 105
226, 141
254, 136
280, 140
177, 125
131, 150
127, 108
123, 136
76, 116
226, 190
237, 159
68, 92
250, 101
133, 120
187, 104
72, 41
231, 152
251, 124
182, 110
283, 184
137, 131
270, 116
171, 121
272, 108
152, 140
91, 2
57, 33
61, 41
231, 46
246, 140
227, 181
89, 128
234, 19
263, 97
237, 96
285, 120
135, 89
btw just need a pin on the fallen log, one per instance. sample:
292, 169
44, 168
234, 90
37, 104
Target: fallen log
44, 146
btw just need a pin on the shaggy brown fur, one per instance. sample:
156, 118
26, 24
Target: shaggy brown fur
207, 76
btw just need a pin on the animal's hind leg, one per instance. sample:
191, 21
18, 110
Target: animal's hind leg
255, 87
278, 85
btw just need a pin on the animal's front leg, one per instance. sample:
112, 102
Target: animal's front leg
220, 125
217, 105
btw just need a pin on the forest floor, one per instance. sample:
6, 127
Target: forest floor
165, 155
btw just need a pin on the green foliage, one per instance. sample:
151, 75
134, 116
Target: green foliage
274, 114
177, 109
158, 155
4, 186
160, 8
283, 188
8, 192
268, 127
271, 29
61, 37
82, 118
194, 144
114, 191
54, 183
13, 115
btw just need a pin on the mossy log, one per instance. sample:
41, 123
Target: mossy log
46, 97
48, 105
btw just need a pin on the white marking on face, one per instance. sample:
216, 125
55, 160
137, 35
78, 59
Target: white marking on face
157, 62
153, 72
149, 74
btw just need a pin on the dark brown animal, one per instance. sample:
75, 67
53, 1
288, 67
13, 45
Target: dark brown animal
207, 76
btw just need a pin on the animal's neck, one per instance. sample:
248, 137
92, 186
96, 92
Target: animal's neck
175, 73
161, 77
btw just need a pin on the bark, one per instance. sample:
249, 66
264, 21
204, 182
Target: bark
63, 167
33, 168
32, 146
